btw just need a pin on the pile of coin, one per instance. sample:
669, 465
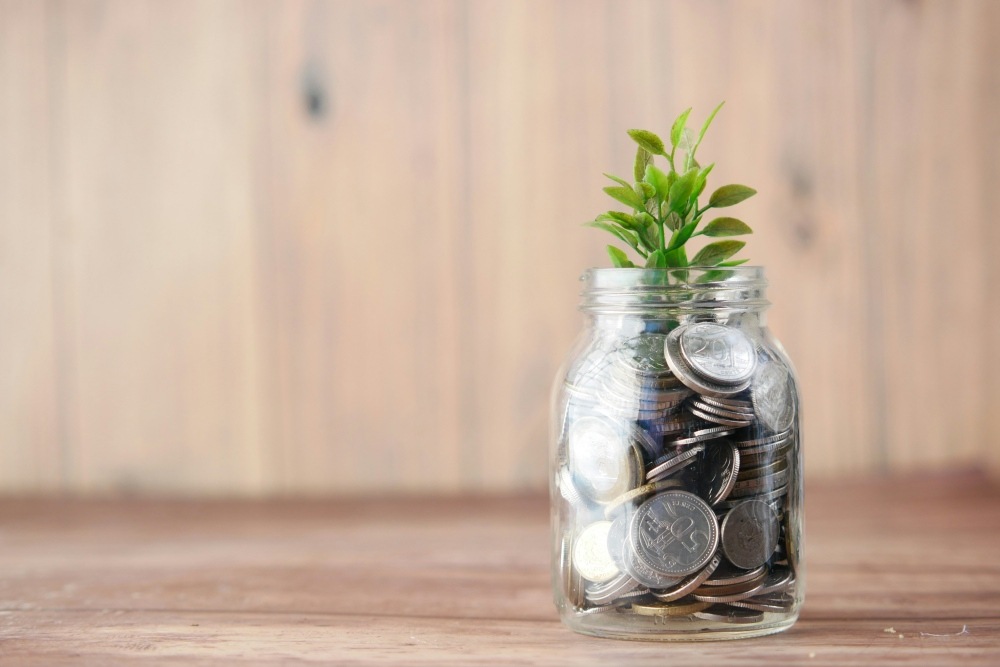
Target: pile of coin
676, 453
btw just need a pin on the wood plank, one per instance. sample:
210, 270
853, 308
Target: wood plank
926, 264
463, 581
159, 110
367, 203
30, 437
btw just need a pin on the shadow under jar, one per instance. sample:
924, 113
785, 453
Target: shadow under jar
676, 467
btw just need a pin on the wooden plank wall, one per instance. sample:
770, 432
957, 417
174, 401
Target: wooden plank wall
317, 247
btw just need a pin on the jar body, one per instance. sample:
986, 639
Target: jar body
676, 466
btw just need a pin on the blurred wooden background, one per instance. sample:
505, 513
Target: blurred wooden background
252, 247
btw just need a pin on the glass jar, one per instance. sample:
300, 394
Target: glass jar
676, 467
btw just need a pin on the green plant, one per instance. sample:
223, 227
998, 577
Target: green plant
664, 204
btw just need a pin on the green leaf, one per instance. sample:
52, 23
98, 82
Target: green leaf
715, 253
659, 180
647, 230
619, 259
619, 181
624, 219
643, 158
704, 128
728, 195
656, 260
716, 275
726, 227
699, 185
734, 262
673, 221
680, 192
623, 234
648, 140
682, 235
625, 195
677, 258
677, 130
645, 190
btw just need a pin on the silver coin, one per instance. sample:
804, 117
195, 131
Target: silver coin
687, 375
671, 462
689, 584
590, 553
722, 412
703, 435
756, 485
729, 614
727, 575
768, 497
774, 397
765, 440
566, 488
643, 354
673, 472
572, 582
775, 602
734, 404
771, 468
721, 467
612, 590
778, 580
600, 459
718, 353
618, 539
717, 596
674, 533
645, 574
708, 416
749, 534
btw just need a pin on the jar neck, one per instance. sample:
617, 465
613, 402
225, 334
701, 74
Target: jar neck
625, 298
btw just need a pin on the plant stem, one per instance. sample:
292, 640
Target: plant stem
663, 239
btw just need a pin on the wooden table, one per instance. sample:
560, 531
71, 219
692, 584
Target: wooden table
903, 570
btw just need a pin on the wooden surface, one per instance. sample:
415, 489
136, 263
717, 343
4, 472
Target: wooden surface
464, 581
238, 239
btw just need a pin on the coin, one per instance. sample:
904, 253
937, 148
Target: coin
751, 487
689, 376
572, 583
564, 482
779, 579
703, 435
768, 497
678, 608
689, 584
612, 590
639, 492
674, 533
643, 354
725, 421
773, 397
726, 575
590, 553
749, 534
718, 353
599, 458
729, 614
644, 574
720, 469
672, 462
732, 404
777, 602
618, 540
724, 413
771, 468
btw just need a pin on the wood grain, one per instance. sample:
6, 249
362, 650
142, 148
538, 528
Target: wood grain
315, 247
463, 581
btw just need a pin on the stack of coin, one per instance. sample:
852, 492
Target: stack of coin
676, 453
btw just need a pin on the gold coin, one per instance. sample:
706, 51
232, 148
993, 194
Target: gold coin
679, 608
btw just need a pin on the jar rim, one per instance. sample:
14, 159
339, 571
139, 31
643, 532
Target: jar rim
614, 289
